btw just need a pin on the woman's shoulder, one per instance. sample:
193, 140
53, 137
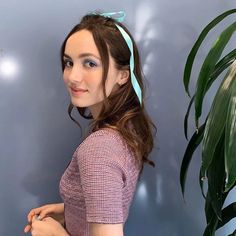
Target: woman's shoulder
105, 141
106, 146
105, 135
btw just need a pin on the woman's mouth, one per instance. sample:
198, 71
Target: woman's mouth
77, 92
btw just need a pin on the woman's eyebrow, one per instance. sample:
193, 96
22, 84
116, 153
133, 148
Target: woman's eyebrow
82, 55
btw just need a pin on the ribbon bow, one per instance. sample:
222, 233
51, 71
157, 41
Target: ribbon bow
115, 15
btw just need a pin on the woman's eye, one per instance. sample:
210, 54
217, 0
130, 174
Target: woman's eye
90, 64
68, 63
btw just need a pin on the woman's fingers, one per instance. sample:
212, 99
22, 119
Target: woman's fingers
27, 228
32, 213
40, 211
39, 214
33, 217
44, 213
36, 211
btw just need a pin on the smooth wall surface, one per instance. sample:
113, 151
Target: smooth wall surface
37, 138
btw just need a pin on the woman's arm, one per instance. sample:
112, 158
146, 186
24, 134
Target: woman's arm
103, 177
105, 229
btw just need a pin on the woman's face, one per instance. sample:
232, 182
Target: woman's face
83, 72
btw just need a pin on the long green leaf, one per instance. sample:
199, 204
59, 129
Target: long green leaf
216, 178
201, 179
224, 63
228, 213
186, 118
194, 50
219, 68
216, 119
208, 67
213, 222
230, 140
192, 145
209, 212
211, 227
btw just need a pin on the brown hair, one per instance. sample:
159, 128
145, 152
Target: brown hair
121, 110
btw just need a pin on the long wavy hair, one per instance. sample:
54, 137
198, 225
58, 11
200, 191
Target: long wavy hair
121, 110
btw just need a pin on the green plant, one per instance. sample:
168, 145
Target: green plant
217, 135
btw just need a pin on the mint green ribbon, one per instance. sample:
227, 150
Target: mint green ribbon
119, 17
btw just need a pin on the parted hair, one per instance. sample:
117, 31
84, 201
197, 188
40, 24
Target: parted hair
121, 110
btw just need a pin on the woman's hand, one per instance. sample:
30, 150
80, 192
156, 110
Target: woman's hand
47, 227
56, 211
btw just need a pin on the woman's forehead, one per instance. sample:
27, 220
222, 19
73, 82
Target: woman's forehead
81, 42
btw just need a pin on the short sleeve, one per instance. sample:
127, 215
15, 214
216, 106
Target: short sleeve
102, 179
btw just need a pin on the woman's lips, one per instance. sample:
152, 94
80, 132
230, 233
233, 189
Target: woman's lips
77, 92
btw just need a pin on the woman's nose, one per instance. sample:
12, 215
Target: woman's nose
75, 75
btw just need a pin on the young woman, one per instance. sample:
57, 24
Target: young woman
102, 72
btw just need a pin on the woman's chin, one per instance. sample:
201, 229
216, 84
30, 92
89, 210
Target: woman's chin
78, 104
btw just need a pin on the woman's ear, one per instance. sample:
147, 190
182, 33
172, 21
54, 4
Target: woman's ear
124, 76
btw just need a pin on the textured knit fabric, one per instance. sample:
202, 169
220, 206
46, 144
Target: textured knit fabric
99, 184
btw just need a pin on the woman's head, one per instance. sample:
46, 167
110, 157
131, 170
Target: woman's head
96, 67
83, 72
100, 37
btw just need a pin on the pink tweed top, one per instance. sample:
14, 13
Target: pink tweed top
99, 184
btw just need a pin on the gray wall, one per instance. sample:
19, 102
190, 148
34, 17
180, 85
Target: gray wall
37, 138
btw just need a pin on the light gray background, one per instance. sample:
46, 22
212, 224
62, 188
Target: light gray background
37, 138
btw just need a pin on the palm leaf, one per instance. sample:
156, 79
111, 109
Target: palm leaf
216, 119
230, 140
216, 178
211, 226
219, 130
202, 36
224, 63
208, 209
208, 67
192, 145
201, 179
219, 68
186, 118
